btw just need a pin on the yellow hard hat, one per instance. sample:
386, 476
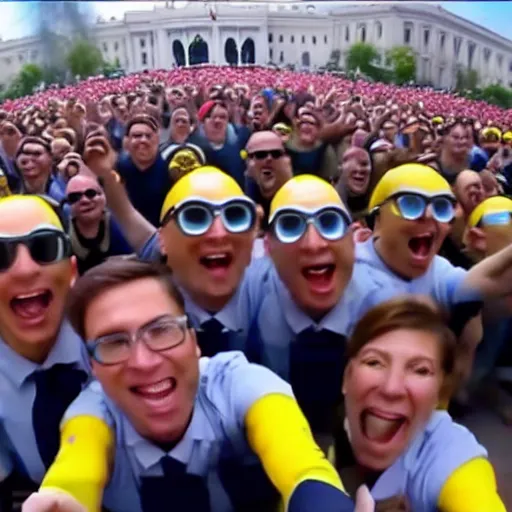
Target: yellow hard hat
206, 182
507, 136
496, 204
414, 178
305, 191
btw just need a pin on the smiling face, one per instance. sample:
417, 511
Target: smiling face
155, 390
355, 170
32, 296
87, 209
391, 388
180, 125
34, 162
315, 270
469, 190
142, 144
209, 266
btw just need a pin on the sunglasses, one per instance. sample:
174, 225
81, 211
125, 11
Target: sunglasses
414, 206
46, 245
74, 197
195, 217
495, 219
262, 155
289, 225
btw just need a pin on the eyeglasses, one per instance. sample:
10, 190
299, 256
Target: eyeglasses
46, 246
263, 154
195, 217
495, 219
413, 207
74, 197
162, 333
289, 225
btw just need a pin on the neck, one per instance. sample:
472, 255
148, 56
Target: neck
36, 185
142, 166
34, 352
88, 229
387, 257
452, 162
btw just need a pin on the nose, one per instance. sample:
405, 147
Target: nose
429, 212
24, 267
142, 358
217, 229
312, 240
393, 386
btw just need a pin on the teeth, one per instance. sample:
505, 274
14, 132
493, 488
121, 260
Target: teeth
216, 256
159, 387
29, 295
318, 271
379, 428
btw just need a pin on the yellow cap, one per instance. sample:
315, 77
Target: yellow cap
507, 136
184, 161
207, 182
437, 120
496, 204
282, 127
491, 131
414, 178
16, 204
306, 191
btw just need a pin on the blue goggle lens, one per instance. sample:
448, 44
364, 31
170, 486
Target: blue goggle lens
412, 207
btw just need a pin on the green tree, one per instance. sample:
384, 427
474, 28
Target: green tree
403, 62
362, 56
29, 77
498, 95
84, 59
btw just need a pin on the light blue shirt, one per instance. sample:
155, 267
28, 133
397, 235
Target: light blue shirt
422, 470
19, 449
228, 387
442, 281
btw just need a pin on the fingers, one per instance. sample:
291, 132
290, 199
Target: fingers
46, 501
364, 500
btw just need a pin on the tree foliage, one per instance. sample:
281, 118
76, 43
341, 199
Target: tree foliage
362, 56
466, 79
84, 59
403, 62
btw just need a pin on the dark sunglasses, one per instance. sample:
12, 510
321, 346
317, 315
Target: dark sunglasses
195, 217
74, 197
45, 245
262, 155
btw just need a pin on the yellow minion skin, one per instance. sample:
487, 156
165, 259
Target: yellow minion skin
207, 183
495, 204
276, 429
11, 205
414, 178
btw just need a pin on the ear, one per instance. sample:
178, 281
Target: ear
161, 244
476, 239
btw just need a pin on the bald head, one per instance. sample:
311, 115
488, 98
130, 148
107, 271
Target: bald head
264, 141
82, 182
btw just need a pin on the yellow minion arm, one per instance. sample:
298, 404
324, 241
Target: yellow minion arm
81, 468
471, 488
280, 435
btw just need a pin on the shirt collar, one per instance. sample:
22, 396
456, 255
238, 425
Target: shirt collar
68, 349
337, 320
148, 454
228, 316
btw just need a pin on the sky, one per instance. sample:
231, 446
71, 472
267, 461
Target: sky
15, 23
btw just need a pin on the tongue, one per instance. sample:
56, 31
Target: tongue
30, 308
420, 246
379, 429
215, 262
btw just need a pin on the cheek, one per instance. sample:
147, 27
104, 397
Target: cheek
424, 394
108, 376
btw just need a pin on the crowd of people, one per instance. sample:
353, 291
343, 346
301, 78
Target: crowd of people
239, 289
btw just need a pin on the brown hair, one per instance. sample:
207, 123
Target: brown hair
146, 119
114, 272
405, 313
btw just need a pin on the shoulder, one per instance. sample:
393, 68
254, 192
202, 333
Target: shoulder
151, 249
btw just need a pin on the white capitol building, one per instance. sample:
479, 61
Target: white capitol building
296, 34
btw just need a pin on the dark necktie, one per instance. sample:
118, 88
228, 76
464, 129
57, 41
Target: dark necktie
176, 490
316, 372
56, 388
212, 339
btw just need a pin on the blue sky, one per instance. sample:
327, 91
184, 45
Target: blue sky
15, 22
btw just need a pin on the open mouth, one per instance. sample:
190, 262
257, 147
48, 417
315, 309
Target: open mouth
31, 305
156, 391
380, 429
421, 245
319, 275
220, 261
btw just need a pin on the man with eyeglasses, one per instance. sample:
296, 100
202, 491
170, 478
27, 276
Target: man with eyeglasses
311, 296
94, 233
412, 208
173, 427
43, 364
